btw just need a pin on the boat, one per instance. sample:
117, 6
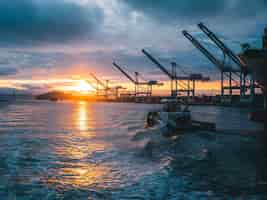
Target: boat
175, 118
167, 122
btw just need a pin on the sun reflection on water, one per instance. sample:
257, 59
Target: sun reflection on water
79, 175
74, 169
82, 119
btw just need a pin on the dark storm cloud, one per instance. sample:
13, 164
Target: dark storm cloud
171, 10
23, 21
234, 21
247, 8
45, 60
7, 71
138, 62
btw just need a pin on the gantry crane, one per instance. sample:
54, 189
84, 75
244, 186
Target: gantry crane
172, 76
99, 82
134, 81
226, 70
106, 87
137, 83
175, 79
228, 52
94, 87
117, 90
193, 77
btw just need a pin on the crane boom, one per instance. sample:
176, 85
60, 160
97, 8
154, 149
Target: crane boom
193, 76
93, 86
203, 50
164, 70
97, 80
158, 64
124, 73
221, 45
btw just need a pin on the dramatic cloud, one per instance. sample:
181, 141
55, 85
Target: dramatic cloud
7, 71
234, 21
31, 21
61, 38
171, 11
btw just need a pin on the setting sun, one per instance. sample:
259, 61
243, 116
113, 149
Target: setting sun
83, 87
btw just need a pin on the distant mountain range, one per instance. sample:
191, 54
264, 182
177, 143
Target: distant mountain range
59, 95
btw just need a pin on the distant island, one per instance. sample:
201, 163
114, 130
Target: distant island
60, 96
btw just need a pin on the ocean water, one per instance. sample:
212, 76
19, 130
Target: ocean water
80, 150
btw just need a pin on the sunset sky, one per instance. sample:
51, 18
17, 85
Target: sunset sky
53, 44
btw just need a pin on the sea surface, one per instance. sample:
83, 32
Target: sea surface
81, 150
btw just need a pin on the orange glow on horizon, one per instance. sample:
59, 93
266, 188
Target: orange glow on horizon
79, 86
83, 87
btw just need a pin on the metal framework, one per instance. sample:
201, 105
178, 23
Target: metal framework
99, 82
236, 78
244, 82
115, 90
137, 83
178, 84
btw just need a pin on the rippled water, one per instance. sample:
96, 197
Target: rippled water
79, 150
